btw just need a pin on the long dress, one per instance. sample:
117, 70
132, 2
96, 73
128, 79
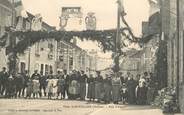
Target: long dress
49, 88
107, 89
74, 86
29, 89
131, 86
142, 95
83, 79
116, 85
55, 87
91, 88
98, 87
36, 86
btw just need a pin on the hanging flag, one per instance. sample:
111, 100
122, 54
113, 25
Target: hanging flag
18, 7
121, 6
122, 14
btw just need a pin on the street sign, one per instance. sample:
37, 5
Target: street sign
71, 12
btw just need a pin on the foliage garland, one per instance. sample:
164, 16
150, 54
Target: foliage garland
105, 38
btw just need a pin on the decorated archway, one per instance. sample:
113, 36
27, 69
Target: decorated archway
109, 40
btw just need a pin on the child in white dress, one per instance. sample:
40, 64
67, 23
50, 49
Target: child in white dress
50, 87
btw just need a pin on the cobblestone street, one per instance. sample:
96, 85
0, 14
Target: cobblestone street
65, 107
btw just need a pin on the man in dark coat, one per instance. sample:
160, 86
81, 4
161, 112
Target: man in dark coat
4, 80
26, 78
131, 86
107, 89
43, 83
82, 81
66, 86
19, 82
98, 86
10, 87
91, 88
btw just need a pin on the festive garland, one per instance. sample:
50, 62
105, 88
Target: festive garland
105, 38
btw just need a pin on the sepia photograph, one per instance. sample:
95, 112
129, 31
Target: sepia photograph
91, 57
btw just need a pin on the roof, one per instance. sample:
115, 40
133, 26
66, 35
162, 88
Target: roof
6, 3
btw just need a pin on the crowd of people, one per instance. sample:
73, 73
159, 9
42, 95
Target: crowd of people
114, 87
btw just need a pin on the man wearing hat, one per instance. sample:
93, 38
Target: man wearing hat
3, 80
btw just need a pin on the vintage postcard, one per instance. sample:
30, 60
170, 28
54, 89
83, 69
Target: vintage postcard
91, 57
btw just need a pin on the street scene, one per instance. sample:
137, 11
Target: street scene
79, 57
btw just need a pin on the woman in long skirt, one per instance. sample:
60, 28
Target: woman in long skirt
131, 86
74, 86
116, 86
98, 87
141, 93
50, 87
91, 88
55, 87
107, 89
36, 88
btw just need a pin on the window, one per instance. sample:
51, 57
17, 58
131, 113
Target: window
22, 67
51, 69
41, 68
71, 61
148, 52
46, 68
51, 47
37, 49
61, 58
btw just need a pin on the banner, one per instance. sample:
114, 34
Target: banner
72, 12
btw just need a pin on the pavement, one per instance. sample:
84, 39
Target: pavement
66, 107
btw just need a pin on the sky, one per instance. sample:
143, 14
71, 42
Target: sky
105, 12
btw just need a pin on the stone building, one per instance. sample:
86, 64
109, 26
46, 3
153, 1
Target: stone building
172, 33
6, 19
131, 62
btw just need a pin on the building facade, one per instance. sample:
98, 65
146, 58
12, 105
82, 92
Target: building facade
174, 35
172, 18
6, 19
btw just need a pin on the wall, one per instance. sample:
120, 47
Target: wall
5, 20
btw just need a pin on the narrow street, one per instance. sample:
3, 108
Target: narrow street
65, 107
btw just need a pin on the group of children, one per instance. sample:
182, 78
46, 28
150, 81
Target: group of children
54, 87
